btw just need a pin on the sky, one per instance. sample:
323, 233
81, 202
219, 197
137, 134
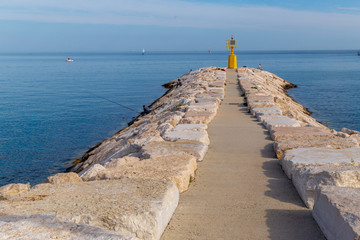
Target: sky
177, 25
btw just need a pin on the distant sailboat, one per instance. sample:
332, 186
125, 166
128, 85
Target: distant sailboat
209, 51
358, 53
143, 51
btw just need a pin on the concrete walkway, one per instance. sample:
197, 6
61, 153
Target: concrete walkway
240, 190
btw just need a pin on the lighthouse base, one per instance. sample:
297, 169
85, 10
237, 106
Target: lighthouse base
232, 64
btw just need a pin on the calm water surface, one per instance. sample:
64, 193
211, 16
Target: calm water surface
50, 112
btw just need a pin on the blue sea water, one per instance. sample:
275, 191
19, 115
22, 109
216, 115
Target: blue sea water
51, 111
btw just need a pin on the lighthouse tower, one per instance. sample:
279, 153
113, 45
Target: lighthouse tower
231, 45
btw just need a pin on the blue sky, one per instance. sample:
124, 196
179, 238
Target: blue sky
178, 25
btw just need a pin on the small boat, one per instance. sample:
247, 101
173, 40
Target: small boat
358, 53
69, 60
143, 51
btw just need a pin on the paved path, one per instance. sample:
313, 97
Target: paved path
240, 190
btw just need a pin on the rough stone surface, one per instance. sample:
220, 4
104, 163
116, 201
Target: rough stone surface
278, 121
266, 111
119, 162
180, 169
187, 135
13, 189
323, 141
303, 157
216, 84
337, 212
308, 179
284, 132
63, 178
261, 105
49, 227
92, 172
165, 149
127, 207
264, 89
198, 116
186, 127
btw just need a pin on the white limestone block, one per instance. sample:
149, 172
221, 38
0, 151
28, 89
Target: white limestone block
278, 121
10, 190
48, 227
192, 127
302, 157
91, 172
198, 135
308, 179
266, 111
217, 83
122, 209
216, 89
165, 149
337, 212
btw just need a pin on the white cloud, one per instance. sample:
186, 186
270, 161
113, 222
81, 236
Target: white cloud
172, 13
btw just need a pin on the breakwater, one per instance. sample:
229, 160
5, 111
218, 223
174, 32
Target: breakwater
128, 186
323, 164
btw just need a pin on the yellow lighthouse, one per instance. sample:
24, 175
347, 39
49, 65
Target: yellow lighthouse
231, 45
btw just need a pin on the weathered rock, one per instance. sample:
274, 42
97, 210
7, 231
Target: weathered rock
284, 132
119, 162
308, 179
349, 131
165, 149
191, 127
261, 105
63, 178
204, 106
337, 212
197, 117
266, 111
207, 100
323, 141
216, 90
261, 98
217, 84
164, 127
126, 207
198, 135
180, 169
49, 227
278, 121
91, 173
303, 157
13, 189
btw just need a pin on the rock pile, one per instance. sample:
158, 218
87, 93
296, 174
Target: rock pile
324, 165
128, 186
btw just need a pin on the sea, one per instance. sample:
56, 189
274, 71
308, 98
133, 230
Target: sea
52, 111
